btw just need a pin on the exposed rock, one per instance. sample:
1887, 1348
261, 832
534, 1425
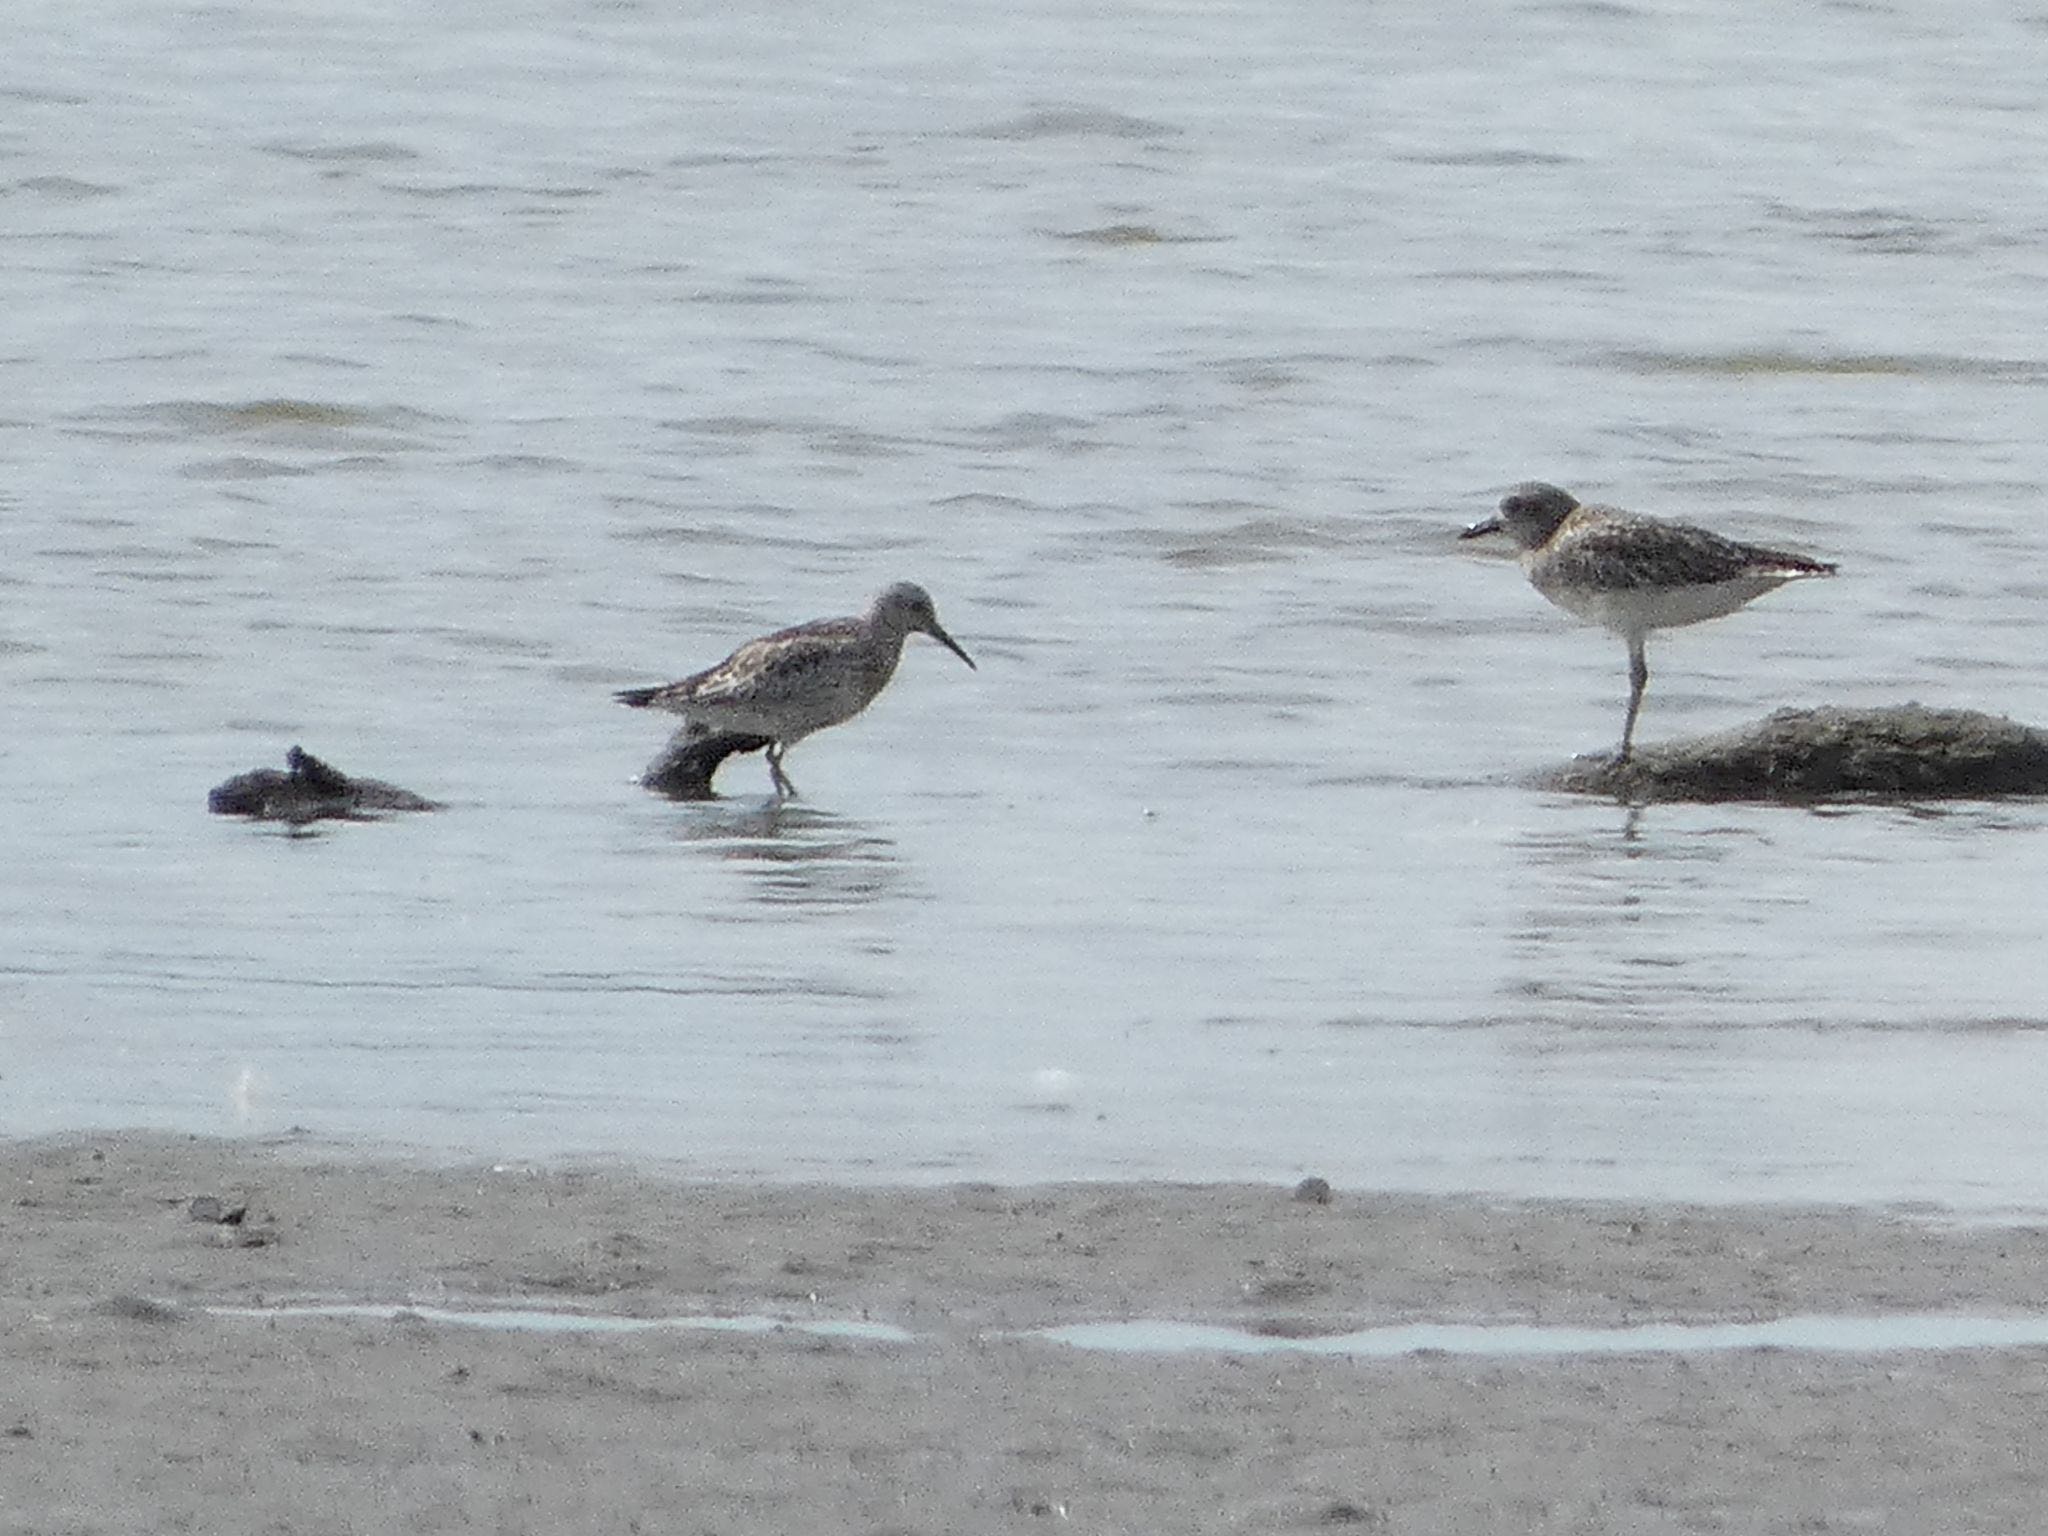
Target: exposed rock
684, 769
309, 790
1904, 751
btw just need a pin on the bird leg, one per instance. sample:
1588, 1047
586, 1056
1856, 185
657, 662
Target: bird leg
785, 787
1638, 676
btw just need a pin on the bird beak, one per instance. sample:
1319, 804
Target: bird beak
1482, 528
939, 634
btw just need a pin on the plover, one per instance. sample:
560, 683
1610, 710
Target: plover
1633, 574
786, 685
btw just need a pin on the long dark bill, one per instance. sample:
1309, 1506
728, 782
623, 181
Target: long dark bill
1482, 528
938, 633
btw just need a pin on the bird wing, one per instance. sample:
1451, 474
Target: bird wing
1620, 552
764, 667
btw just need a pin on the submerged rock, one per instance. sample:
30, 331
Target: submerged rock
684, 769
1904, 751
309, 790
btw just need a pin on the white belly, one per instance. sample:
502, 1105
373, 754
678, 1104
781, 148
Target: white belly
1636, 610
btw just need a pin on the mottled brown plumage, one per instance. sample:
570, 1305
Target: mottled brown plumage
786, 685
1633, 574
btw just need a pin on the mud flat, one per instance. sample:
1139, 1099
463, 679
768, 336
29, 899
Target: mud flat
612, 1349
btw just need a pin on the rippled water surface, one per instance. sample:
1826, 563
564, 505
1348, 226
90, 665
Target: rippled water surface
401, 381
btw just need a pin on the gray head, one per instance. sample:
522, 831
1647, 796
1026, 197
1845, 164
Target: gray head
905, 607
1529, 513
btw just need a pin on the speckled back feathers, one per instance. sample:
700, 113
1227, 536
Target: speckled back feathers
798, 680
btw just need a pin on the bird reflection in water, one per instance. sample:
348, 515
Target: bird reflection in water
1604, 933
799, 857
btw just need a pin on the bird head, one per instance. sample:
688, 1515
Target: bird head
1529, 514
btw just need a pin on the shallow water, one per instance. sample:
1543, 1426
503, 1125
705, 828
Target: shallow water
405, 409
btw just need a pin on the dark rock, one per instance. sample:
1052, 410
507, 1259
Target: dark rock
1313, 1191
684, 769
1905, 751
309, 790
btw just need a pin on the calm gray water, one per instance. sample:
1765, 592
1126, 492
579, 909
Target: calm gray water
399, 383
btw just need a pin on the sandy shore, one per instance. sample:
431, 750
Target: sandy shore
126, 1405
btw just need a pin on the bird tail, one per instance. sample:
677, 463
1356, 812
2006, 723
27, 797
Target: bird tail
1782, 562
1800, 565
637, 698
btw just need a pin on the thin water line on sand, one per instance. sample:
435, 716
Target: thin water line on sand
1816, 1333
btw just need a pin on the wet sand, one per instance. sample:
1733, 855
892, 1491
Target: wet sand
125, 1405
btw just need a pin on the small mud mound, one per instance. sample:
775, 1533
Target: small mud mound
684, 769
309, 790
1905, 751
